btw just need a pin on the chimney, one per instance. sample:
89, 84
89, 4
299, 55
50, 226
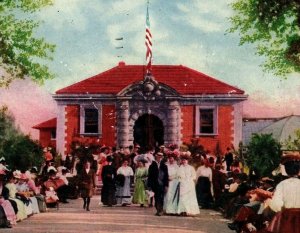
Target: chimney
121, 64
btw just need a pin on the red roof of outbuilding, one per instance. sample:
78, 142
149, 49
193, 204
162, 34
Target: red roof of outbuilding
183, 79
46, 124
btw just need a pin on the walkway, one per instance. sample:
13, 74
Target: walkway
71, 218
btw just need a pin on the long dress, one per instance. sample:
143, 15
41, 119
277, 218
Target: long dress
33, 208
123, 194
108, 190
187, 193
139, 195
20, 205
203, 186
170, 204
7, 206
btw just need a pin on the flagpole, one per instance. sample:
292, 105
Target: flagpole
148, 42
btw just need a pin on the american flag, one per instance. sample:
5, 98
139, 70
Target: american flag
148, 42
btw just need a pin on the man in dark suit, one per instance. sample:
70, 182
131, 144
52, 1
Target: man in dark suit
158, 181
228, 157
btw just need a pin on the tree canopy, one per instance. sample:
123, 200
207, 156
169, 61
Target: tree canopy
273, 26
19, 150
21, 53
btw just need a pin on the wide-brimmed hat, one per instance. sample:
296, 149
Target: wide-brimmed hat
51, 168
290, 156
142, 160
17, 174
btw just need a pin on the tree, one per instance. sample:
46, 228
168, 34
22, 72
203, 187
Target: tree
264, 154
293, 143
274, 27
19, 150
21, 53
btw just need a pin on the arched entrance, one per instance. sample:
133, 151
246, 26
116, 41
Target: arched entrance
148, 131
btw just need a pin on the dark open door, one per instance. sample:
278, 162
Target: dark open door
148, 131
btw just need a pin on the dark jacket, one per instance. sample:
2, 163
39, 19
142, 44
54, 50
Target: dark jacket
154, 181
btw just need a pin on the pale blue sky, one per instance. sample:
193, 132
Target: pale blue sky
190, 32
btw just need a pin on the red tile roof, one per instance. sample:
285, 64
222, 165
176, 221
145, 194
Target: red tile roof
46, 124
183, 79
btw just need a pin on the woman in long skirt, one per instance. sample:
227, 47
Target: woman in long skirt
87, 184
187, 204
170, 204
141, 174
123, 194
109, 188
204, 185
11, 186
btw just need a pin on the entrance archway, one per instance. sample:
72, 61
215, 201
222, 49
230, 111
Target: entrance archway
148, 131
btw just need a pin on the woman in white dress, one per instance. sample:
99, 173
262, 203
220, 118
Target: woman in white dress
187, 204
170, 204
123, 194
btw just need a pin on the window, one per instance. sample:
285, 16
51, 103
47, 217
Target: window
90, 120
53, 134
206, 120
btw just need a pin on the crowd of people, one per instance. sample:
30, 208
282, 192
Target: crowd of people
25, 193
163, 178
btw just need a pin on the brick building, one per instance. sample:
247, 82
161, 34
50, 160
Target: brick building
124, 105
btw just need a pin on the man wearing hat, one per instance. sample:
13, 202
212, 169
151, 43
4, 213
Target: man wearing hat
158, 181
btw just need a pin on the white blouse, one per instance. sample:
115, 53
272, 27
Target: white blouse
204, 171
172, 170
286, 195
186, 172
126, 171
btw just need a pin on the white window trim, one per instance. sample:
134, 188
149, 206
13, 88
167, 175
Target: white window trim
197, 120
82, 118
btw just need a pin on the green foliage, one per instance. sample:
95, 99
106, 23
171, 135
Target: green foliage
293, 144
264, 154
21, 52
19, 150
274, 27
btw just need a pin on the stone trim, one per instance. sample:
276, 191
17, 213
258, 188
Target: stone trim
197, 119
97, 106
61, 130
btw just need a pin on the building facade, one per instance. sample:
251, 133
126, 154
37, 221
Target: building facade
173, 104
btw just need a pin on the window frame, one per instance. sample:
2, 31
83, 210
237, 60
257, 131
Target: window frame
198, 120
82, 119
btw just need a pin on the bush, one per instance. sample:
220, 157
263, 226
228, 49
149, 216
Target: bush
264, 154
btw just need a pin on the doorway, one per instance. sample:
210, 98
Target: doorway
148, 131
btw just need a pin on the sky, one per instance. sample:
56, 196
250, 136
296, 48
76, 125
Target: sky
191, 33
